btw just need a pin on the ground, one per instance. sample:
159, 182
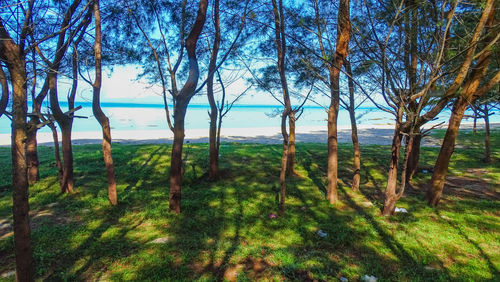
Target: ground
225, 230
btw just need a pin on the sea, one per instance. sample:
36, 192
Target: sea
135, 117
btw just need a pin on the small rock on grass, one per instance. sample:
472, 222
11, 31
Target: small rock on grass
8, 274
369, 278
162, 240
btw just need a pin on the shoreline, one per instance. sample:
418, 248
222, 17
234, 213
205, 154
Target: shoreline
379, 134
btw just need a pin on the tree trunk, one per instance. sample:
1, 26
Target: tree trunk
12, 54
284, 161
290, 167
332, 173
99, 114
176, 160
343, 37
356, 178
414, 157
214, 149
31, 151
357, 152
4, 100
182, 101
57, 154
392, 175
487, 154
474, 126
67, 183
447, 148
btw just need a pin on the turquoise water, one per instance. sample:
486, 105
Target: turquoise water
152, 117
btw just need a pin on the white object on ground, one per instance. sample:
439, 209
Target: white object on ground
403, 210
370, 278
343, 279
160, 240
322, 233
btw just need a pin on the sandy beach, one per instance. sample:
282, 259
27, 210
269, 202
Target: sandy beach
368, 134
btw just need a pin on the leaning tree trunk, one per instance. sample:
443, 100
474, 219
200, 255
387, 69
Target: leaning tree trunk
290, 167
99, 114
392, 175
447, 148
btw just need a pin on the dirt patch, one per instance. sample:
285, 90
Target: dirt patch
465, 187
48, 215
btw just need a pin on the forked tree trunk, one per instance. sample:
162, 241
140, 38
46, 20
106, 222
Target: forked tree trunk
487, 154
182, 101
99, 114
290, 167
64, 121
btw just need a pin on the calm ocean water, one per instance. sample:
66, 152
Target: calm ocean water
152, 117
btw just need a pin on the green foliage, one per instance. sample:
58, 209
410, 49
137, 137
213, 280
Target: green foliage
225, 231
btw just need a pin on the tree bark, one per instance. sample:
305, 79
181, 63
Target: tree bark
99, 114
343, 37
12, 55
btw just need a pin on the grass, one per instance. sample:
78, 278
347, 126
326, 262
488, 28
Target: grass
225, 232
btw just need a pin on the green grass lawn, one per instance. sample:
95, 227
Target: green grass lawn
224, 231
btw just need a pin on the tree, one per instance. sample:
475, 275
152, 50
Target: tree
70, 32
98, 113
181, 101
468, 92
215, 111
